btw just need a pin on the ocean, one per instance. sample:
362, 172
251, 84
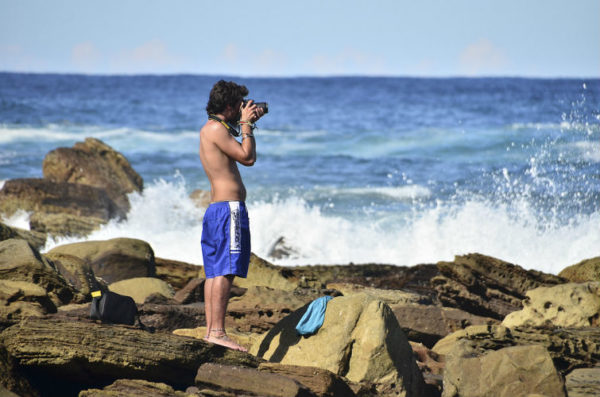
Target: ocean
350, 169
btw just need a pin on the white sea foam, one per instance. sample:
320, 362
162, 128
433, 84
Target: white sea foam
165, 217
396, 192
19, 219
590, 151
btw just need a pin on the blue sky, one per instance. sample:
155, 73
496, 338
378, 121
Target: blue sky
534, 38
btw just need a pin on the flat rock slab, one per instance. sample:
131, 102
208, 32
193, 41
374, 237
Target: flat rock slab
134, 388
583, 382
249, 381
57, 354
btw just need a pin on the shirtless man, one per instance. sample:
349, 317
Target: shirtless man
225, 228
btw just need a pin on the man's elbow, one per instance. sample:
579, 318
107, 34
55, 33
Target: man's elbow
249, 162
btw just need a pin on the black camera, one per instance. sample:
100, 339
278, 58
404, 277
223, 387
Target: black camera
263, 105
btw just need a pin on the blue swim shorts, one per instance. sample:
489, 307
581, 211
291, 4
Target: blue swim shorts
226, 239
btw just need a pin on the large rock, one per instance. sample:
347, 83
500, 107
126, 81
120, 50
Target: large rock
21, 262
487, 286
140, 288
114, 260
583, 382
569, 347
78, 272
21, 299
44, 196
36, 239
586, 270
94, 163
566, 305
360, 339
63, 357
508, 372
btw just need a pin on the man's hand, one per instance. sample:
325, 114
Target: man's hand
251, 113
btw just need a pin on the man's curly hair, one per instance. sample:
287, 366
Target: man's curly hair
225, 93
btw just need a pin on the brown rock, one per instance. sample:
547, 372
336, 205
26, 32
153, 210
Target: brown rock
564, 305
11, 380
167, 317
431, 365
248, 381
177, 273
22, 299
569, 347
360, 339
94, 163
583, 382
263, 273
134, 388
428, 324
508, 372
20, 262
586, 270
114, 260
141, 288
41, 195
320, 381
36, 239
486, 286
192, 292
64, 357
78, 272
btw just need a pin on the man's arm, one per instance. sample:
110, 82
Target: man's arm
244, 153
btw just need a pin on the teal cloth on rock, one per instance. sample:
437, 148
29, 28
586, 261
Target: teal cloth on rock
314, 316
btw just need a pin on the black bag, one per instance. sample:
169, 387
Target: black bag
110, 307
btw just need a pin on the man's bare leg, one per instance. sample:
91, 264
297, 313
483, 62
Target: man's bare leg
219, 297
208, 283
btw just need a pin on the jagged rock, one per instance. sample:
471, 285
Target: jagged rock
487, 286
359, 339
36, 239
565, 305
263, 273
41, 195
583, 382
249, 381
140, 288
63, 357
201, 198
134, 388
78, 272
114, 260
94, 163
508, 372
21, 262
569, 347
177, 273
586, 270
64, 224
21, 299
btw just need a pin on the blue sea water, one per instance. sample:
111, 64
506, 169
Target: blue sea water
352, 169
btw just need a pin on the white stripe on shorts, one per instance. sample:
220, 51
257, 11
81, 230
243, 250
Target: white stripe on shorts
235, 227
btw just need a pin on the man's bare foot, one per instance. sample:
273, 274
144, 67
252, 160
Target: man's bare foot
219, 337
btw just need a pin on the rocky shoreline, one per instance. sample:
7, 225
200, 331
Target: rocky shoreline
476, 326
